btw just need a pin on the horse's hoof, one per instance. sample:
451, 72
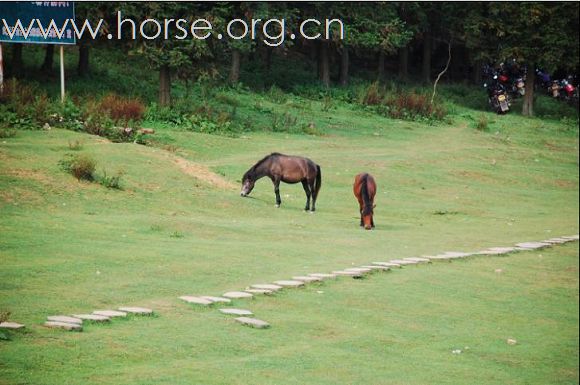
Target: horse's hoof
277, 206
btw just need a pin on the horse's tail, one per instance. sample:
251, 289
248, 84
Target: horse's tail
318, 182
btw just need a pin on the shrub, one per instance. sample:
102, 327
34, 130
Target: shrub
482, 123
120, 110
412, 106
6, 132
80, 166
276, 95
113, 182
372, 96
75, 145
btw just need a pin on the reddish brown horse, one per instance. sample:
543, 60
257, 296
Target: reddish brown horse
289, 169
364, 189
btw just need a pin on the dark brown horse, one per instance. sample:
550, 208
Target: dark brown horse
364, 189
287, 169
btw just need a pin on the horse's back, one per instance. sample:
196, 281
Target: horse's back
369, 180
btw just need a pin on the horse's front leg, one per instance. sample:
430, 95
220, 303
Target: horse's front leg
307, 191
276, 182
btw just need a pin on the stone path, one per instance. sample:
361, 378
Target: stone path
75, 322
355, 272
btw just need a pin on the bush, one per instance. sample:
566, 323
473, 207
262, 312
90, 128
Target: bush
482, 123
113, 182
6, 132
372, 95
75, 145
80, 166
412, 106
121, 110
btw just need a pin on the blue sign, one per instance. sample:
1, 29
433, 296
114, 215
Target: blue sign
43, 22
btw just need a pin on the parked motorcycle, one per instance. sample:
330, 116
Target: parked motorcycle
520, 87
497, 96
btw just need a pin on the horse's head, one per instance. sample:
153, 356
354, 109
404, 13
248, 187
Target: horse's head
367, 216
247, 184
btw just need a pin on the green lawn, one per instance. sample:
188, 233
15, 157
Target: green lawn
69, 247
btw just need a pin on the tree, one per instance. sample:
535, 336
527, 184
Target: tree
537, 34
188, 57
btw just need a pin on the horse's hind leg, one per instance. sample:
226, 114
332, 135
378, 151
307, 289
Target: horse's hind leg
313, 191
277, 192
307, 191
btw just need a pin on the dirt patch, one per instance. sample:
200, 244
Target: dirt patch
473, 175
565, 183
202, 173
28, 174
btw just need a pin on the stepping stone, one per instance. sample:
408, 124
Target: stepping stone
266, 286
110, 313
417, 259
136, 310
403, 262
571, 237
236, 311
92, 317
196, 300
531, 245
503, 250
556, 240
253, 322
65, 319
11, 325
259, 291
289, 283
491, 252
353, 274
377, 267
63, 325
440, 257
362, 270
322, 275
387, 264
307, 279
216, 299
457, 254
237, 294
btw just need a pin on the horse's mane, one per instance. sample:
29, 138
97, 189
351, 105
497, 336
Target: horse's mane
252, 169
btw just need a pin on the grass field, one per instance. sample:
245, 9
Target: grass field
68, 246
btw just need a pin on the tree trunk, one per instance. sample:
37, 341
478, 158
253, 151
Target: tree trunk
235, 70
381, 66
17, 64
528, 104
477, 73
344, 66
403, 62
426, 70
324, 63
164, 86
313, 45
83, 65
268, 58
48, 58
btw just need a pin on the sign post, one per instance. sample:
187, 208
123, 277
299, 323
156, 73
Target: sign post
62, 73
1, 72
37, 22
